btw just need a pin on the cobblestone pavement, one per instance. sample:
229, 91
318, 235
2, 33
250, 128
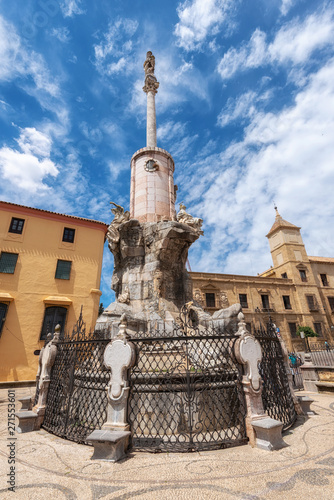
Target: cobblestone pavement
49, 467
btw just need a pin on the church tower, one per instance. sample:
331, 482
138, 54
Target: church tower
152, 195
288, 251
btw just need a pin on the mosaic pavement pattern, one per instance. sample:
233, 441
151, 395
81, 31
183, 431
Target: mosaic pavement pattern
49, 467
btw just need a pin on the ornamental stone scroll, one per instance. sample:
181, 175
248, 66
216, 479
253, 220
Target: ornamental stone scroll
119, 356
262, 431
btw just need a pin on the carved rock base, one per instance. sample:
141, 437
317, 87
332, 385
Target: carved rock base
110, 446
268, 434
305, 403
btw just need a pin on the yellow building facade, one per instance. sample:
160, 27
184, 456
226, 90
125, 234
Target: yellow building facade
298, 290
50, 266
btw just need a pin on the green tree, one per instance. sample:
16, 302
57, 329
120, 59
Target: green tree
101, 308
307, 330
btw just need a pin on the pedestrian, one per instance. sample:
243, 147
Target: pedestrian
327, 345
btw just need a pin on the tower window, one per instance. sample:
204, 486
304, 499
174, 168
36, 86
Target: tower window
16, 225
302, 275
63, 270
210, 300
324, 279
286, 301
243, 300
68, 235
8, 262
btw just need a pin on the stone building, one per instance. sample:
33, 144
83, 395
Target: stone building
50, 266
297, 290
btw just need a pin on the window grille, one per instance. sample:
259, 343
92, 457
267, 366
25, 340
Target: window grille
210, 300
68, 235
312, 303
243, 300
3, 312
331, 303
324, 279
318, 329
302, 275
8, 262
293, 329
16, 225
63, 270
287, 303
53, 316
265, 301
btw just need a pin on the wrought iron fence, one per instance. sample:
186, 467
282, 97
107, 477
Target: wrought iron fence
276, 394
77, 398
185, 388
186, 392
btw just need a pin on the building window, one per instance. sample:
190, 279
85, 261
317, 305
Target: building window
284, 275
286, 301
210, 300
249, 327
331, 303
16, 225
312, 303
318, 329
3, 312
293, 329
53, 316
68, 235
302, 275
8, 262
265, 301
63, 270
324, 279
243, 300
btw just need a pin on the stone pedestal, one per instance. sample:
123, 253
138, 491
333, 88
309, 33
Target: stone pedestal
268, 434
26, 403
27, 421
108, 445
310, 375
305, 403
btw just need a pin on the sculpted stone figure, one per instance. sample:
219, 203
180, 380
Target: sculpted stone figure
113, 230
149, 63
184, 218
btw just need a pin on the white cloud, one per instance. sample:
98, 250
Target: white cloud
28, 168
286, 5
198, 20
242, 107
294, 44
70, 8
63, 34
114, 53
285, 156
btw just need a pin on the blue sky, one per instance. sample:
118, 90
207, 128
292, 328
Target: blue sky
245, 107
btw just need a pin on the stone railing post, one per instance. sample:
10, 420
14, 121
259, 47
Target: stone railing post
262, 431
111, 442
31, 420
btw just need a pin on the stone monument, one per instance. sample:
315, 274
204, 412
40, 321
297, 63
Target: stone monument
150, 242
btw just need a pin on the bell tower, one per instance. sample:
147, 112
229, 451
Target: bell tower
152, 194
